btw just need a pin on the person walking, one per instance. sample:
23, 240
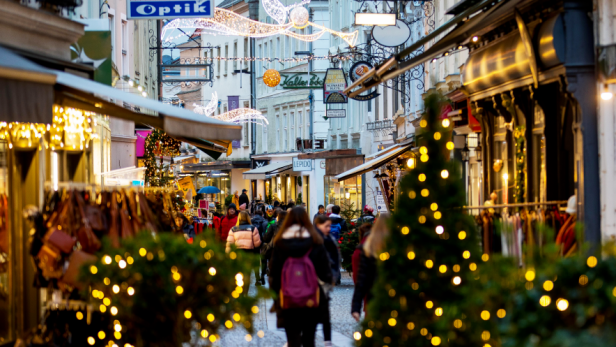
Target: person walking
245, 236
272, 230
261, 224
243, 199
269, 214
339, 225
367, 216
366, 275
320, 212
299, 261
226, 223
364, 231
328, 209
323, 224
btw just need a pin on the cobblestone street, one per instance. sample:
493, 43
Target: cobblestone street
343, 324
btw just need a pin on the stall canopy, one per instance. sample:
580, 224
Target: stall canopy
271, 169
374, 163
464, 25
20, 77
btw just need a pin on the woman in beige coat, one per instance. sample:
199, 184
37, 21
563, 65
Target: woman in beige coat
245, 236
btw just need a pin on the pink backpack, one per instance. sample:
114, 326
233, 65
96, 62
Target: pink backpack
300, 286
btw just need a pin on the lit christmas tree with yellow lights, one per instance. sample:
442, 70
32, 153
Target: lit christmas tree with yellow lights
427, 269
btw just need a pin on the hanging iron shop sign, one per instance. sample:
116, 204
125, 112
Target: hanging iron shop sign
358, 70
301, 80
171, 9
335, 84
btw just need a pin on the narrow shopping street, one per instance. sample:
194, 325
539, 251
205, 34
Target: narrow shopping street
343, 324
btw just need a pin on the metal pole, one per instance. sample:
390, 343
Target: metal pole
311, 93
159, 68
253, 13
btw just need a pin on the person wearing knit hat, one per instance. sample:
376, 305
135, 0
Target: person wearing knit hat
227, 222
243, 207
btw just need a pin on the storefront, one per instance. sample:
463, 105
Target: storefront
531, 84
224, 175
386, 167
273, 181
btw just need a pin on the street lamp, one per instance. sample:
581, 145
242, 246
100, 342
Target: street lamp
465, 153
478, 153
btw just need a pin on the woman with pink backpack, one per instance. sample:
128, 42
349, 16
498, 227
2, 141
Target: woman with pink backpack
298, 262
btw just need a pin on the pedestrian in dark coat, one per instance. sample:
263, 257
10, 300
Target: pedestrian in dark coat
364, 231
270, 234
243, 199
322, 223
296, 237
366, 275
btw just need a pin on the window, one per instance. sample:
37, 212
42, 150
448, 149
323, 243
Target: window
385, 103
246, 52
245, 127
264, 137
113, 37
271, 55
277, 51
226, 57
285, 143
344, 143
125, 70
300, 124
258, 63
219, 61
355, 143
376, 108
292, 135
293, 51
235, 55
287, 49
277, 133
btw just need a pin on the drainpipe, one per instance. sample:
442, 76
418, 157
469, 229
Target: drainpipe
253, 13
311, 92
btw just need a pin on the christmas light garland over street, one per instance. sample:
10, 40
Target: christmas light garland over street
227, 22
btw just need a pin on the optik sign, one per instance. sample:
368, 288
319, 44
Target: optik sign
171, 9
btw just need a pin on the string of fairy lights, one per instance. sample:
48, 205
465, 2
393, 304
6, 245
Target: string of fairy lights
342, 56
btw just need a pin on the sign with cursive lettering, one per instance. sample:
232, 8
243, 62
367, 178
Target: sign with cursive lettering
301, 80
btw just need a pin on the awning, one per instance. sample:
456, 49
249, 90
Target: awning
271, 169
382, 152
26, 90
463, 31
175, 121
374, 163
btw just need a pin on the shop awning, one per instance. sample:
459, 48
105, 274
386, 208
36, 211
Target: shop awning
271, 169
26, 90
374, 163
175, 121
382, 152
464, 27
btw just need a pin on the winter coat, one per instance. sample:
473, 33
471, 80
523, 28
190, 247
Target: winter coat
244, 200
366, 276
334, 254
296, 242
268, 246
244, 236
356, 258
336, 219
260, 223
227, 222
216, 223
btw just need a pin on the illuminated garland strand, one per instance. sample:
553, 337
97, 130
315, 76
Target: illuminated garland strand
238, 116
344, 57
229, 23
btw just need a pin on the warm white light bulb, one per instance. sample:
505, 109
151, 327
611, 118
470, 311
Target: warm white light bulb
607, 95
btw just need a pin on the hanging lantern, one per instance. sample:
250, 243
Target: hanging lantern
271, 78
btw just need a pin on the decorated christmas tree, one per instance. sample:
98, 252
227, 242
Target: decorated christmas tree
426, 273
157, 146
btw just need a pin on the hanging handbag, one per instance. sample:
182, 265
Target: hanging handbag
136, 217
114, 223
150, 222
50, 262
127, 224
75, 262
60, 240
88, 240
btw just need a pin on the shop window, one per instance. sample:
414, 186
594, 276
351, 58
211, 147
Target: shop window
343, 193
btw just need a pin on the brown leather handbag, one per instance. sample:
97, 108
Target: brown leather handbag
150, 221
75, 262
127, 223
60, 240
50, 262
88, 240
